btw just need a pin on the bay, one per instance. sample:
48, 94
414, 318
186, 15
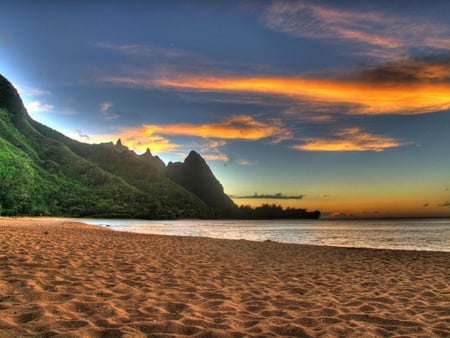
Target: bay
397, 234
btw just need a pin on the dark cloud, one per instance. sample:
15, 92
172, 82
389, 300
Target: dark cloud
278, 196
433, 68
82, 136
425, 205
446, 204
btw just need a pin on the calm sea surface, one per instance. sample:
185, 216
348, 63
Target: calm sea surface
410, 234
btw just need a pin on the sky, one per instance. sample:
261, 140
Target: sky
340, 106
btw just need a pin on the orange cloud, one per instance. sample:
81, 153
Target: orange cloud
137, 139
351, 139
211, 150
240, 127
365, 97
236, 127
216, 157
246, 162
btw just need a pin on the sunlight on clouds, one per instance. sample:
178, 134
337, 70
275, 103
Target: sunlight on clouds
247, 163
435, 72
350, 139
211, 150
105, 106
236, 127
315, 21
213, 144
240, 127
438, 43
404, 86
365, 97
38, 107
377, 34
107, 114
216, 157
138, 140
34, 106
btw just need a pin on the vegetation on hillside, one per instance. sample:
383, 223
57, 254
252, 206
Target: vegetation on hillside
43, 172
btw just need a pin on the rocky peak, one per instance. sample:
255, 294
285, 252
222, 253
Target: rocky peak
148, 153
155, 161
195, 176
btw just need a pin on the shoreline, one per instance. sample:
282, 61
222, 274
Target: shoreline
204, 229
79, 221
74, 279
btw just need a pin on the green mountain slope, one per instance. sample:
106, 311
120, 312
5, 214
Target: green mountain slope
43, 171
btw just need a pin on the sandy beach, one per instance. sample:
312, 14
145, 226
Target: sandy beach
69, 279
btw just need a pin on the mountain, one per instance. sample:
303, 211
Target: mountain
195, 176
44, 172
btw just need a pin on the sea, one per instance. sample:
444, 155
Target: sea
395, 234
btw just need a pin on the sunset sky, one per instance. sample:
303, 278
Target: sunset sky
342, 106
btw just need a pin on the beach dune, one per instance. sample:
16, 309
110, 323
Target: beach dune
59, 278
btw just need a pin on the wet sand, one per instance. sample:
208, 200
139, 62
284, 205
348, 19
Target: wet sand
69, 279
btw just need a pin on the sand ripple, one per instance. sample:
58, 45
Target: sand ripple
72, 280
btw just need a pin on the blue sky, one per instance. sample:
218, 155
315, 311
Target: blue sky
346, 105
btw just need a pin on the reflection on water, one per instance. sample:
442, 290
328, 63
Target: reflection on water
411, 234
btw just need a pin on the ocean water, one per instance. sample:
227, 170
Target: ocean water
400, 234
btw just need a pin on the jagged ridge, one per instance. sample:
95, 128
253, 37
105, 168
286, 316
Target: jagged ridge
55, 175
